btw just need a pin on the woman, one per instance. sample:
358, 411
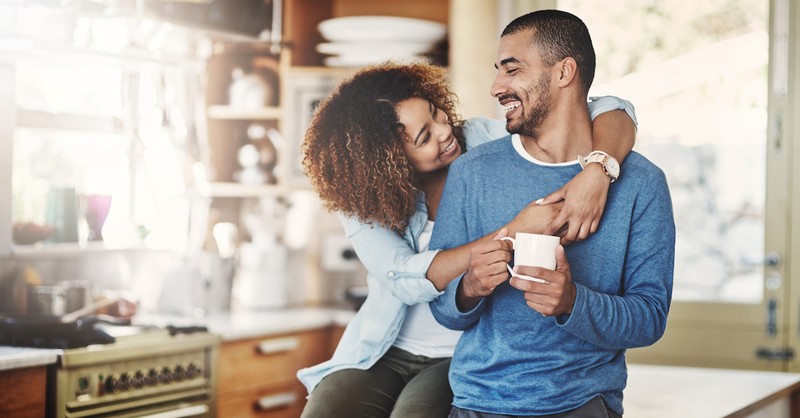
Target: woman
377, 152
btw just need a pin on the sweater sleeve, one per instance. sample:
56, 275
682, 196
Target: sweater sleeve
392, 260
638, 316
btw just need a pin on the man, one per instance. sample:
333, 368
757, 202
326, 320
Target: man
554, 348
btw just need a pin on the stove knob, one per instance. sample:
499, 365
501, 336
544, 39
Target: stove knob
117, 383
180, 373
124, 382
165, 376
151, 379
137, 381
193, 371
110, 384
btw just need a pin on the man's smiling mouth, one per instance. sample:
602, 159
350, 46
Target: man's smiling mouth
511, 106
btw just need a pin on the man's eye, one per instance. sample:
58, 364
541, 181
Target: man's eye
511, 71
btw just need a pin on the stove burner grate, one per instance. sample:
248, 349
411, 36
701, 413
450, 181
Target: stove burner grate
50, 332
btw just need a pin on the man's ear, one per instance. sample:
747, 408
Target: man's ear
568, 71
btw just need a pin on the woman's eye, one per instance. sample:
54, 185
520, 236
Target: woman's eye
426, 139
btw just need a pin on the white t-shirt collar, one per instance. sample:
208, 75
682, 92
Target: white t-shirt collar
516, 141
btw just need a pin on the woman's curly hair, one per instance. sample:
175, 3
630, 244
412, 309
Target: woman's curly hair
353, 150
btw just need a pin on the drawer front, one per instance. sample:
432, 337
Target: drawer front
260, 362
282, 400
23, 392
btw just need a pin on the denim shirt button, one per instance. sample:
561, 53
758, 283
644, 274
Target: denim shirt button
391, 274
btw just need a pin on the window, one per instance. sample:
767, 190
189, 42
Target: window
697, 74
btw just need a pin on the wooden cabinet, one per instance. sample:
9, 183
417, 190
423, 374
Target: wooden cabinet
293, 73
302, 17
257, 377
22, 392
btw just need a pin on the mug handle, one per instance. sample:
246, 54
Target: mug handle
523, 276
513, 273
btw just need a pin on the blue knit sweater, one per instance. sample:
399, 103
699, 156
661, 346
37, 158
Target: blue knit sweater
511, 360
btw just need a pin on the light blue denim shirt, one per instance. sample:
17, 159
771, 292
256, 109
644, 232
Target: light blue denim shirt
397, 271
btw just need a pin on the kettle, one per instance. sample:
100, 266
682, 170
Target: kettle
248, 91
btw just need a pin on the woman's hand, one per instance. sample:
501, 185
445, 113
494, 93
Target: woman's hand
535, 218
584, 199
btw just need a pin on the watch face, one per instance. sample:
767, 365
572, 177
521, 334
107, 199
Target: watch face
612, 166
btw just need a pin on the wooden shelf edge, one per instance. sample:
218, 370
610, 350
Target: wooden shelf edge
238, 190
224, 112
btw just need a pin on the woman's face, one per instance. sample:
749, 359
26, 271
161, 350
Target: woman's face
429, 141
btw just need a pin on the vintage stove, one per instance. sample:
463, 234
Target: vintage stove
122, 370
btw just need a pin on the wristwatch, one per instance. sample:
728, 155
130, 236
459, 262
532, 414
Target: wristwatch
610, 164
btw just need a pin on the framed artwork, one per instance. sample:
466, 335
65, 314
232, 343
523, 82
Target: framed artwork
303, 93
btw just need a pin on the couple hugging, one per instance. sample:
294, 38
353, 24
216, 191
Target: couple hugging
446, 330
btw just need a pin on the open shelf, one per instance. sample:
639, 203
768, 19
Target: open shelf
224, 112
237, 190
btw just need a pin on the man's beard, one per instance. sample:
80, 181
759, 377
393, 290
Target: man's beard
533, 118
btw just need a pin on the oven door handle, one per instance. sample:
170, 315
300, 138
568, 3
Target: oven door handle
189, 411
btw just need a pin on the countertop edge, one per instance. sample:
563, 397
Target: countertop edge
239, 325
12, 358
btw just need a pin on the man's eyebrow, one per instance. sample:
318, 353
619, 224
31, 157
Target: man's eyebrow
506, 61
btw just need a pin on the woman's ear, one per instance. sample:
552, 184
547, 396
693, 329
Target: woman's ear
568, 69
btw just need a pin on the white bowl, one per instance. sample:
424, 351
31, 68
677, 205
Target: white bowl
381, 28
385, 48
349, 61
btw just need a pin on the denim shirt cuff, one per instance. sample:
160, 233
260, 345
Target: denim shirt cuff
415, 280
603, 104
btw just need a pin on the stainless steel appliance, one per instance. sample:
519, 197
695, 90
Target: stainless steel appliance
133, 371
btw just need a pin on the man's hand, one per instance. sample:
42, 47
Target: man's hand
487, 270
555, 297
584, 201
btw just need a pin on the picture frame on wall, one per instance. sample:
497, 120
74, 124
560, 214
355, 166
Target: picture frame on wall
303, 93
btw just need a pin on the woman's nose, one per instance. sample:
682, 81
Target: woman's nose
443, 132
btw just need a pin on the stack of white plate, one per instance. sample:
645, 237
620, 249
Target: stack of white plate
363, 40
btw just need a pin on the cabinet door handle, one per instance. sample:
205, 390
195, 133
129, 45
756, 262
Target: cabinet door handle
278, 345
190, 411
279, 400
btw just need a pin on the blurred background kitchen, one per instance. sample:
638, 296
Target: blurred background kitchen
150, 165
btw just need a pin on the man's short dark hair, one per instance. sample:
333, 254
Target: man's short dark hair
558, 34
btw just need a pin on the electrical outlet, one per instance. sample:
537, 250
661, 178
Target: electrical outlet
338, 255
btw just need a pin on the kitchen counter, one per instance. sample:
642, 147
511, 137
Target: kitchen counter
652, 391
229, 326
21, 357
669, 392
238, 325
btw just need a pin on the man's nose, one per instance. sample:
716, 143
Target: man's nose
498, 87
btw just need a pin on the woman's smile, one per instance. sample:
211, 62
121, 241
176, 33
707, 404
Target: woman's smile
450, 148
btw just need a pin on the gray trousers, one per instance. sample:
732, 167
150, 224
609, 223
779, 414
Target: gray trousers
399, 385
595, 408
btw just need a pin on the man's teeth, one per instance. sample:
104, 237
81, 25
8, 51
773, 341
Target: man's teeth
511, 106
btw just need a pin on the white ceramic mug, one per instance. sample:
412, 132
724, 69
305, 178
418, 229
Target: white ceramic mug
533, 250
